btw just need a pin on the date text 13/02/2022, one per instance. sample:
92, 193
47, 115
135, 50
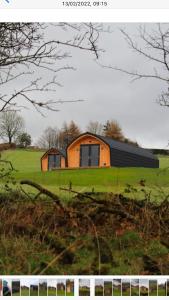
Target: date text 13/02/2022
86, 4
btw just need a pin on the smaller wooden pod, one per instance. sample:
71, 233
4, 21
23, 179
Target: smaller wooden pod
53, 159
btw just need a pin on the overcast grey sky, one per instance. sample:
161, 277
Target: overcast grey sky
108, 94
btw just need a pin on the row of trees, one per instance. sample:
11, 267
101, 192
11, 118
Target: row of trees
60, 138
12, 129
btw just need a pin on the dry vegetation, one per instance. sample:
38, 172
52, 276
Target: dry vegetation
93, 233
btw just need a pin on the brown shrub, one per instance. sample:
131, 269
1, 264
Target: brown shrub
7, 146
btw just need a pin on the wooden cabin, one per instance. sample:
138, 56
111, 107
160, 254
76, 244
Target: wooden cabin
88, 150
53, 159
91, 150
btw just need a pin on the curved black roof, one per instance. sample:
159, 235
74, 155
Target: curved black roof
127, 147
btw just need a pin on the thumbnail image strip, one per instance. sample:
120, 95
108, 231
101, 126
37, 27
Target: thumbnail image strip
16, 287
84, 287
144, 287
7, 287
116, 287
135, 287
108, 288
153, 287
69, 287
0, 287
52, 283
42, 287
167, 287
162, 287
125, 287
61, 287
25, 286
34, 287
99, 287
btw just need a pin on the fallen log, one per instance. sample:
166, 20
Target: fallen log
44, 191
83, 195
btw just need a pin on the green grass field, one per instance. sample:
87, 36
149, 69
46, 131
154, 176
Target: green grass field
51, 292
84, 291
27, 166
70, 294
134, 291
98, 291
16, 294
126, 292
153, 293
33, 293
161, 291
24, 292
42, 292
61, 293
116, 291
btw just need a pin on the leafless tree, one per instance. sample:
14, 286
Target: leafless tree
11, 125
25, 48
49, 138
153, 46
95, 127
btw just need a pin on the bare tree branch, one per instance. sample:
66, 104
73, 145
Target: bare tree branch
25, 48
152, 46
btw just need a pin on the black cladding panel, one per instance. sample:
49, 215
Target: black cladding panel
126, 159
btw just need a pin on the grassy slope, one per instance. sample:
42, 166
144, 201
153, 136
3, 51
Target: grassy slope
27, 164
51, 292
43, 293
27, 160
161, 292
24, 292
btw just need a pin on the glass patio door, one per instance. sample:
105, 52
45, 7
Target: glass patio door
89, 155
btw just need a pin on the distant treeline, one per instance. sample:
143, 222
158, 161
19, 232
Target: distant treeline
159, 151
